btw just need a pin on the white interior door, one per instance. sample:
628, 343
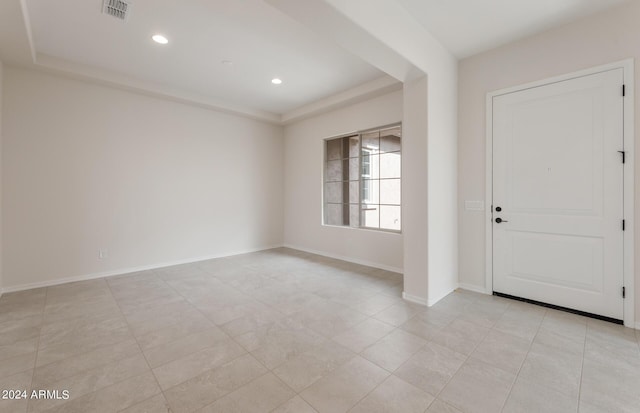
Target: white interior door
558, 190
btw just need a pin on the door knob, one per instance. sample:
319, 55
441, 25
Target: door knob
499, 220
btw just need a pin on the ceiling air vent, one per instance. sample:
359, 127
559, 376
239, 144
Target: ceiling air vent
117, 8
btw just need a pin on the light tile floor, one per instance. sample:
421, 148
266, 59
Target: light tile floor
286, 331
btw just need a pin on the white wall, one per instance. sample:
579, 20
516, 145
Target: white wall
596, 40
304, 154
86, 167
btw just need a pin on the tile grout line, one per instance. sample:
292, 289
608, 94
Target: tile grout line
376, 364
289, 387
299, 393
136, 340
504, 404
83, 371
467, 357
35, 360
212, 322
584, 352
355, 354
139, 347
269, 371
391, 373
191, 305
328, 339
162, 391
83, 352
472, 351
428, 340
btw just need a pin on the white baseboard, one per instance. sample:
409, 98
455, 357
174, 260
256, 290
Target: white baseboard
129, 270
422, 301
345, 258
415, 299
434, 301
474, 288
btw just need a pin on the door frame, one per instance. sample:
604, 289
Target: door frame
628, 186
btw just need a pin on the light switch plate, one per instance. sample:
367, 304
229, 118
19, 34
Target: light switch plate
474, 205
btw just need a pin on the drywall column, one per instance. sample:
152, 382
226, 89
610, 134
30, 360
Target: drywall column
387, 36
429, 185
415, 130
442, 161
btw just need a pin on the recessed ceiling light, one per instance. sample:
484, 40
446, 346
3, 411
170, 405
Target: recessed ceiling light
158, 38
276, 81
227, 62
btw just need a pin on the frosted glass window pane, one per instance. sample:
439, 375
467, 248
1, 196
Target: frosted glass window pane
354, 146
375, 166
370, 166
371, 142
334, 171
333, 192
371, 216
334, 149
390, 191
390, 140
390, 217
390, 165
354, 169
354, 192
354, 215
370, 191
345, 169
334, 214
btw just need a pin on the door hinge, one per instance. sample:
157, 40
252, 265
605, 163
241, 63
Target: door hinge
624, 156
624, 293
624, 90
623, 224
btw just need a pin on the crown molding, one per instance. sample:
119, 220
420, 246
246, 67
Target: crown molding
369, 90
121, 81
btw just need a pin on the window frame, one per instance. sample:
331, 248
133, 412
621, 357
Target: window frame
360, 180
362, 199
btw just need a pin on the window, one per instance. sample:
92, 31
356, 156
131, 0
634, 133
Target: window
362, 180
